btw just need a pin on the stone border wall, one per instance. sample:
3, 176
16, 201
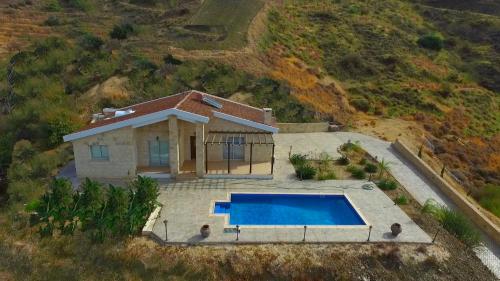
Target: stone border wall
303, 127
473, 212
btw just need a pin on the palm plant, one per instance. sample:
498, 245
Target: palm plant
384, 167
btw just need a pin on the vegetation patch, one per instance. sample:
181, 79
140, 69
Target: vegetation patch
455, 222
102, 212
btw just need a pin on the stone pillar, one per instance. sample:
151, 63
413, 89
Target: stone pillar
173, 145
200, 150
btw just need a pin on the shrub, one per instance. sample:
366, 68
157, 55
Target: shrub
52, 21
330, 175
52, 6
121, 31
371, 168
401, 200
361, 104
344, 160
305, 172
91, 42
454, 222
356, 172
431, 41
352, 146
385, 184
362, 161
298, 159
489, 198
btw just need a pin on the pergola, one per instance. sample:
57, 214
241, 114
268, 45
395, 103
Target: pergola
251, 138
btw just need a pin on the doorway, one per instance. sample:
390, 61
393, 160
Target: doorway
192, 144
158, 153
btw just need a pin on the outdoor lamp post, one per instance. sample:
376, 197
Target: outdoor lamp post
305, 229
166, 232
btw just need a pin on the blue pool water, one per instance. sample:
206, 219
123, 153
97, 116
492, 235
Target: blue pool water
288, 209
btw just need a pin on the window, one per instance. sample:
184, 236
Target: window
99, 152
237, 149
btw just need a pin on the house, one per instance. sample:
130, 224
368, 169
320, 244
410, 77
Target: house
191, 133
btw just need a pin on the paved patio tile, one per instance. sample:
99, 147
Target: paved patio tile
187, 207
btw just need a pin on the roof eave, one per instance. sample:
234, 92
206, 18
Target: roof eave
138, 121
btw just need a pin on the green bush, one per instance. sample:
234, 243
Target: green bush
356, 172
121, 31
431, 41
52, 21
360, 104
52, 6
385, 184
90, 42
489, 198
371, 168
298, 159
100, 212
401, 200
327, 175
305, 172
454, 222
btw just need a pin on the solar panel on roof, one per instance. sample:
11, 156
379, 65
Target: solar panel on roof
211, 102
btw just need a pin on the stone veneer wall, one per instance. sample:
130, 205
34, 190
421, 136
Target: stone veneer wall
463, 204
302, 127
122, 155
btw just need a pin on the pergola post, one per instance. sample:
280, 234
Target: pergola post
251, 156
272, 161
228, 157
206, 158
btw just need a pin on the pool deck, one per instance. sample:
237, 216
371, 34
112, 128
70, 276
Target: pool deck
188, 204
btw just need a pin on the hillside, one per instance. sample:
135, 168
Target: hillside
378, 52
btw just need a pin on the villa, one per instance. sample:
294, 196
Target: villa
191, 133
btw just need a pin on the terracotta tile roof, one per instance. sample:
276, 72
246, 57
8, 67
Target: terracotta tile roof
190, 101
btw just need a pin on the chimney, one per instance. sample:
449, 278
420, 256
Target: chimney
268, 115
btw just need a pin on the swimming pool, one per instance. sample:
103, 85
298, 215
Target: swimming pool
269, 209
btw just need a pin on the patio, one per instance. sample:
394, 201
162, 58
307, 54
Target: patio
187, 206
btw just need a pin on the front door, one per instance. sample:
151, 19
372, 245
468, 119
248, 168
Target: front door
158, 153
192, 141
237, 150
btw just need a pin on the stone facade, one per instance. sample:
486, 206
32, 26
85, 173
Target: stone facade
122, 150
129, 148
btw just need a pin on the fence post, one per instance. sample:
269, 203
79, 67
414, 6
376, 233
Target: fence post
305, 229
166, 232
237, 232
369, 233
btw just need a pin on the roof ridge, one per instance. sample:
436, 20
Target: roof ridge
228, 100
157, 99
184, 99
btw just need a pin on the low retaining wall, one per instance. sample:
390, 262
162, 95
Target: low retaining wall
147, 230
303, 127
473, 212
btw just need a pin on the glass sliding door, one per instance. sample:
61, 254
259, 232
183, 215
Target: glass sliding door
237, 151
158, 153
